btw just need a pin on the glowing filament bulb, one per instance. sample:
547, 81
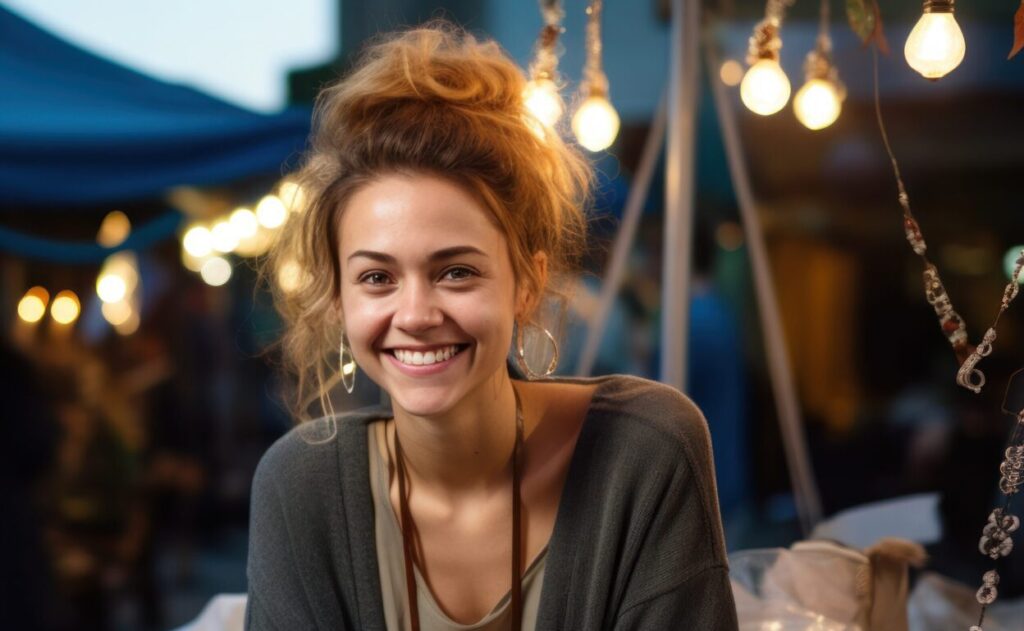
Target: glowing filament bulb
765, 88
936, 45
541, 98
596, 123
817, 104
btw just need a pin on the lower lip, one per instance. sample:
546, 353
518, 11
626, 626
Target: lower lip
430, 369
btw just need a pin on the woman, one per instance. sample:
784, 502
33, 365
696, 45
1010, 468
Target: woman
441, 217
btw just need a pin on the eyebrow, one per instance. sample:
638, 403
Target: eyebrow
438, 255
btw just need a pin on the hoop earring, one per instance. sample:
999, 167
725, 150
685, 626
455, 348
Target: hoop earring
347, 366
521, 354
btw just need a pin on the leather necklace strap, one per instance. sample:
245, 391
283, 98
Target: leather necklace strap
408, 527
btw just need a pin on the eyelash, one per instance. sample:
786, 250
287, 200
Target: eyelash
469, 271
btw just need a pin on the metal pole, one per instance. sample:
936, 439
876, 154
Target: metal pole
683, 84
801, 473
616, 269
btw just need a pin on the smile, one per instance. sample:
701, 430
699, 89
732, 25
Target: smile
424, 363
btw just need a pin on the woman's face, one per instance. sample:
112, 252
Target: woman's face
425, 272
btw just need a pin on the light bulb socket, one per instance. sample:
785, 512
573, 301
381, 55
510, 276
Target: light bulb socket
938, 6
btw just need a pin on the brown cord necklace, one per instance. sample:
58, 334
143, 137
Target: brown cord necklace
408, 527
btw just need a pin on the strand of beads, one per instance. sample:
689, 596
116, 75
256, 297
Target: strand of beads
997, 536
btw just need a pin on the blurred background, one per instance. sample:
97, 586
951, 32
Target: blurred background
144, 154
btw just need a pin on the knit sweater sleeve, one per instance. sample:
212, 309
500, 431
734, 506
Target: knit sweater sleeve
276, 600
680, 579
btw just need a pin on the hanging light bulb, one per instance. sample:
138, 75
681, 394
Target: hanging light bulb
541, 95
817, 104
596, 123
936, 44
542, 99
765, 87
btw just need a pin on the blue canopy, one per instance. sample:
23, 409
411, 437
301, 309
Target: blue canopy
76, 129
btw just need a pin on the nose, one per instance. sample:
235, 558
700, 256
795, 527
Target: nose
416, 310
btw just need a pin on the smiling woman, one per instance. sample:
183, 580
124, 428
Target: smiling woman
442, 217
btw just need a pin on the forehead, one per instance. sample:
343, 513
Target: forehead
403, 213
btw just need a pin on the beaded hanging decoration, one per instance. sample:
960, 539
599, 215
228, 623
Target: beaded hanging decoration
953, 326
996, 540
997, 536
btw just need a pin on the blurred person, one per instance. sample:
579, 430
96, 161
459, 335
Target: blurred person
441, 217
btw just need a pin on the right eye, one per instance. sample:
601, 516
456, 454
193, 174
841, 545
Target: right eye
374, 278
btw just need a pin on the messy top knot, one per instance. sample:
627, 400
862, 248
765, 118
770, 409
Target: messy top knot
434, 100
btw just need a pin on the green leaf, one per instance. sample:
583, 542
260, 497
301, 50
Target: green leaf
861, 15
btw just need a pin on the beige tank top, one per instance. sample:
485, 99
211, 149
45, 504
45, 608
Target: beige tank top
392, 564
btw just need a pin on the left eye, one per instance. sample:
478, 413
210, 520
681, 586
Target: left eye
460, 273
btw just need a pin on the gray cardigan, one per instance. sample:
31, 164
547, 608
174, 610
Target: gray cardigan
637, 542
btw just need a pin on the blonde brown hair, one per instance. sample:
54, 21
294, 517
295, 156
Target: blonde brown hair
435, 100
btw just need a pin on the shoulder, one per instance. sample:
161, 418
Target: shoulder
312, 453
651, 416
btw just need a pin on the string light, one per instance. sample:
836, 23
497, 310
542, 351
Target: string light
293, 195
244, 222
936, 44
765, 88
289, 276
198, 241
225, 236
595, 123
817, 104
731, 73
270, 212
215, 271
541, 95
114, 229
65, 307
32, 306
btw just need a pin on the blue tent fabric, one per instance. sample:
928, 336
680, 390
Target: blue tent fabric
76, 129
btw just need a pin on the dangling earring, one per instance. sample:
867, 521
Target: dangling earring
521, 354
347, 366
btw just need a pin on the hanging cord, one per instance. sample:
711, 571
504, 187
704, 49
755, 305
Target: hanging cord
952, 323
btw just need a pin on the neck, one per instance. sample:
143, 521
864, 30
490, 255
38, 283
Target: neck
468, 451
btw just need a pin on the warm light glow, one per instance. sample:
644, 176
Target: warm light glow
197, 241
32, 306
114, 229
596, 123
270, 212
289, 275
215, 271
731, 72
244, 222
257, 244
292, 195
765, 88
111, 287
65, 307
225, 239
542, 99
130, 325
116, 313
124, 265
936, 45
1010, 262
192, 263
817, 104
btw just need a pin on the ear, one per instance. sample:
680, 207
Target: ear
529, 295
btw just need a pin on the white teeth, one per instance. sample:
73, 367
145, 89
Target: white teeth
418, 358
